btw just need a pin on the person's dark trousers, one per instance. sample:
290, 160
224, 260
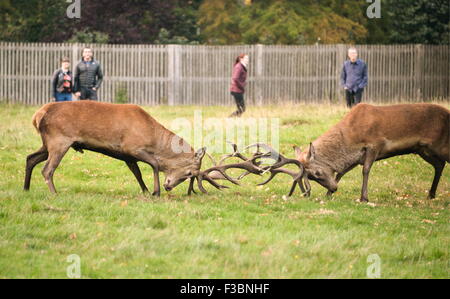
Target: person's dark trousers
352, 97
88, 94
239, 98
63, 97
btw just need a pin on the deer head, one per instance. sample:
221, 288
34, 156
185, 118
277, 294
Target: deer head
315, 169
184, 169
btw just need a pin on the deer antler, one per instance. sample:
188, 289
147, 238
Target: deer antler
275, 169
251, 165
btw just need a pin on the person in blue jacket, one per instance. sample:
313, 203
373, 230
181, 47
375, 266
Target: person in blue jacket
354, 78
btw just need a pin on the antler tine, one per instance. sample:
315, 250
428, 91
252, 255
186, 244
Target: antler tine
235, 153
274, 172
214, 183
250, 165
275, 169
281, 160
212, 159
264, 146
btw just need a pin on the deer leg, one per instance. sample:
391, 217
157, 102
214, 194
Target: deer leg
32, 160
438, 165
370, 157
156, 185
149, 159
302, 188
191, 186
294, 184
308, 187
137, 173
54, 158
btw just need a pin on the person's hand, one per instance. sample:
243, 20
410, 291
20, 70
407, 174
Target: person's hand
52, 99
345, 88
78, 94
94, 89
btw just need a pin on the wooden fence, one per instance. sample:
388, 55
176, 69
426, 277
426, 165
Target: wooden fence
200, 75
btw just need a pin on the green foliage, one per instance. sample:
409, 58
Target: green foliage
164, 37
121, 96
221, 22
279, 22
32, 20
420, 21
89, 37
241, 232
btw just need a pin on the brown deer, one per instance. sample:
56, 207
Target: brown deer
370, 133
128, 133
125, 132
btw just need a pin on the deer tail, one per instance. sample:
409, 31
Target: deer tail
37, 117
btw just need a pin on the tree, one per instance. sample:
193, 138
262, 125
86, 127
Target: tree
219, 21
419, 21
32, 20
279, 22
115, 21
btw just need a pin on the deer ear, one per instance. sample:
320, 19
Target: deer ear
199, 154
298, 152
311, 152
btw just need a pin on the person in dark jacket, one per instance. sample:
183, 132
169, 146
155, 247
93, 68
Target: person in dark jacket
354, 78
88, 76
238, 79
62, 82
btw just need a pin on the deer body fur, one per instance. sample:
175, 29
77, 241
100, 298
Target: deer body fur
125, 132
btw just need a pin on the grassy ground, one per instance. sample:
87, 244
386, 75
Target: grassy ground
244, 232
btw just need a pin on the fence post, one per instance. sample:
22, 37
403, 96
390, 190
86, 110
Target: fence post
418, 71
74, 57
174, 74
259, 74
340, 49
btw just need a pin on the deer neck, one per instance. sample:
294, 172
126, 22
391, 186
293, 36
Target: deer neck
332, 151
172, 151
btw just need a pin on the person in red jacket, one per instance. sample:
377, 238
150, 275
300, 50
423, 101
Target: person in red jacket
238, 79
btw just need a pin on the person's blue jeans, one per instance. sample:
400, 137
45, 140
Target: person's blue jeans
63, 97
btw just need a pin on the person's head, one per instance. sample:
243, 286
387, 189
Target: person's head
87, 54
242, 58
65, 63
352, 54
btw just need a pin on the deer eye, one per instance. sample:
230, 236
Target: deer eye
318, 173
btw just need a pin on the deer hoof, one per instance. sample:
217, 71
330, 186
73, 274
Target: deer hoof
156, 193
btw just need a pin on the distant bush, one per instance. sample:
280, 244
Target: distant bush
121, 95
89, 37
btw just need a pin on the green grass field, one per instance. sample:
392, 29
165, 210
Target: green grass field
246, 231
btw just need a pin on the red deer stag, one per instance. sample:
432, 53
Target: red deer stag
125, 132
370, 133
